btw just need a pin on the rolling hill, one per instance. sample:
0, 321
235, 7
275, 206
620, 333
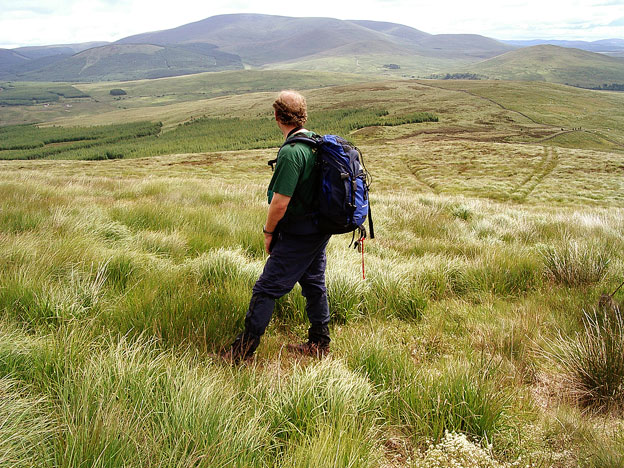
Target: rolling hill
10, 58
35, 52
553, 64
265, 39
15, 63
604, 46
237, 41
252, 40
129, 61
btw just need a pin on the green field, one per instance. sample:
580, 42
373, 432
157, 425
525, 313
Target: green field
24, 94
169, 100
472, 342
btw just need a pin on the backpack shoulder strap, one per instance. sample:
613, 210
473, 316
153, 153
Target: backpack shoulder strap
314, 142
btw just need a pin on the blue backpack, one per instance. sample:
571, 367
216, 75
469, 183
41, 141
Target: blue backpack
343, 199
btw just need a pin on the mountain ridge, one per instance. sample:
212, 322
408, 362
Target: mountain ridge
247, 40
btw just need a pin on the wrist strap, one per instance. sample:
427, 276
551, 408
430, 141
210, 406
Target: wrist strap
267, 232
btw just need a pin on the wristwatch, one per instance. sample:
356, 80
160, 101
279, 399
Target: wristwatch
267, 232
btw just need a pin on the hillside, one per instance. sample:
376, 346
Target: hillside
382, 49
553, 64
260, 41
16, 63
133, 61
499, 227
471, 46
34, 52
401, 32
10, 58
604, 46
265, 39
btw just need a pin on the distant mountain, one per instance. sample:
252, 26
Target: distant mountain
553, 64
608, 46
35, 52
264, 39
128, 62
29, 59
399, 31
236, 41
470, 46
10, 58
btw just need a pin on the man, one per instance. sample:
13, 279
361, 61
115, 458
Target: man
292, 239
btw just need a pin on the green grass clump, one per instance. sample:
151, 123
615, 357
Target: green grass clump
48, 303
26, 429
460, 399
326, 393
593, 359
574, 263
426, 403
611, 453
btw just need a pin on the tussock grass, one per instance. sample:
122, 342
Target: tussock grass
593, 359
428, 402
26, 429
132, 272
611, 453
574, 264
458, 399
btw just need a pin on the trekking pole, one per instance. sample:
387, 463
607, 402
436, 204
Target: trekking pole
362, 247
618, 288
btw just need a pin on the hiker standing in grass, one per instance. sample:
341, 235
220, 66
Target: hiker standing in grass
295, 245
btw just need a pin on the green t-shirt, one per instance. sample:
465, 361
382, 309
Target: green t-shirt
295, 176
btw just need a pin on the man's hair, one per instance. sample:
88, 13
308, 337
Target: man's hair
290, 108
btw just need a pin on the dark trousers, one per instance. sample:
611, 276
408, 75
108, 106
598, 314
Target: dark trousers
294, 258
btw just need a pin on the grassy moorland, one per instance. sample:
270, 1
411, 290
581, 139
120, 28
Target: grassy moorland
170, 100
475, 340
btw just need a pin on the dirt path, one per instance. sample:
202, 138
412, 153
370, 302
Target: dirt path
548, 163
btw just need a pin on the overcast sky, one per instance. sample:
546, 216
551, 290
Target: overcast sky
40, 22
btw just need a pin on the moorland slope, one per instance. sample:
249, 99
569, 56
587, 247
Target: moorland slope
553, 64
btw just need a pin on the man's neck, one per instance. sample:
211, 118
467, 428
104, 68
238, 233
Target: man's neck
287, 129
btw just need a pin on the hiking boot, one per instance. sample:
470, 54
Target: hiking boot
242, 349
310, 349
233, 357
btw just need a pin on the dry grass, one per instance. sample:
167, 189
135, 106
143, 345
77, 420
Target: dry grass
120, 277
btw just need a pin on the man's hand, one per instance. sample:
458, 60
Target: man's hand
267, 242
277, 209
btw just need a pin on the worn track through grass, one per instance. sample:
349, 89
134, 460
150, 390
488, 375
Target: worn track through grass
546, 166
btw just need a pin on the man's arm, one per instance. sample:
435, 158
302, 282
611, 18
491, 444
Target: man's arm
277, 209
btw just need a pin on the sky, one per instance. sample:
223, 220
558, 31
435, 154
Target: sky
45, 22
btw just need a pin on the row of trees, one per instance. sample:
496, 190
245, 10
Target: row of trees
602, 87
203, 134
